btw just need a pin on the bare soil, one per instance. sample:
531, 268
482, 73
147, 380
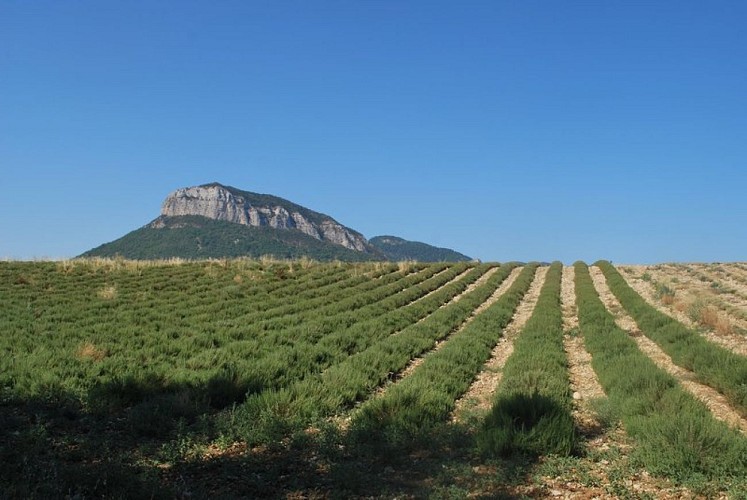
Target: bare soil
736, 271
480, 394
454, 280
584, 381
604, 470
416, 362
478, 282
722, 284
714, 400
688, 290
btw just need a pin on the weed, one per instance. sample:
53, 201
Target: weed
712, 318
664, 293
705, 314
109, 292
405, 266
89, 350
23, 279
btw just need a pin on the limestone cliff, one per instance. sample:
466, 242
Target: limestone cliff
224, 203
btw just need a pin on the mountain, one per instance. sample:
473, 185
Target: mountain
197, 237
218, 202
217, 221
395, 248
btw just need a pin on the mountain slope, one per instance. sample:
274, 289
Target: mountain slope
229, 204
395, 248
197, 237
217, 221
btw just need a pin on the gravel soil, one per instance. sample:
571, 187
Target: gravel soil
480, 394
714, 400
687, 290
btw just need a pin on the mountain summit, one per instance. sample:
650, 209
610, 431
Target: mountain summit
229, 204
217, 221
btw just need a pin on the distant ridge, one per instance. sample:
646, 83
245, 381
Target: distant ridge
396, 248
217, 221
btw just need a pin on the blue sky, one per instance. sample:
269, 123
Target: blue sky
506, 130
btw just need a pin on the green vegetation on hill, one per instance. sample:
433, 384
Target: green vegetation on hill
208, 231
399, 249
196, 237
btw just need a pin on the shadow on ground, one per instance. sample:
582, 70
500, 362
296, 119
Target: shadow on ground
163, 443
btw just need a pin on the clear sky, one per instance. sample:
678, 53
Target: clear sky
507, 130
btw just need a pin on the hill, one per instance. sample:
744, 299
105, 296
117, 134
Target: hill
217, 221
197, 237
395, 248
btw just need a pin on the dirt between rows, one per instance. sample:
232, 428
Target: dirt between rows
689, 290
416, 362
600, 442
343, 420
584, 383
477, 283
606, 449
452, 280
595, 475
480, 394
714, 400
604, 469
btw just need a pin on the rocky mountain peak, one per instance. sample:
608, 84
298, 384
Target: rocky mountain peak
225, 203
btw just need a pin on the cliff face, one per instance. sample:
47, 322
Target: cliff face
219, 202
214, 221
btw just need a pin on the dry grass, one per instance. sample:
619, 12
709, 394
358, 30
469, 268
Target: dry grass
89, 350
109, 292
700, 311
681, 306
305, 262
714, 319
667, 300
66, 266
267, 260
405, 266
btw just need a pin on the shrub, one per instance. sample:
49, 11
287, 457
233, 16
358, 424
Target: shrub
712, 364
676, 435
532, 412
